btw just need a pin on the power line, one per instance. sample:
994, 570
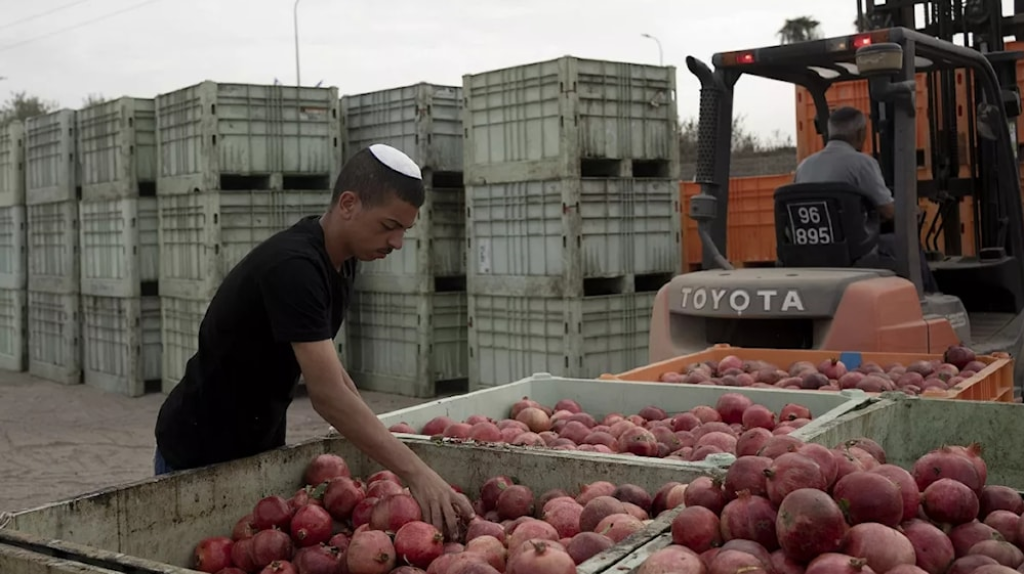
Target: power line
41, 14
79, 25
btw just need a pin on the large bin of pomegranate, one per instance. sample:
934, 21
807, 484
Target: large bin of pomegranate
324, 507
908, 485
956, 374
709, 424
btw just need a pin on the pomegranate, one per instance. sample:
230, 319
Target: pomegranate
342, 496
959, 356
791, 472
706, 492
394, 511
747, 473
672, 559
706, 414
418, 543
230, 571
696, 528
736, 562
868, 445
834, 563
780, 564
634, 495
272, 512
458, 430
750, 518
382, 488
932, 548
598, 509
407, 570
319, 560
241, 556
832, 369
480, 527
213, 554
809, 524
493, 488
540, 557
371, 552
971, 564
325, 467
778, 445
270, 545
907, 486
244, 528
515, 501
1003, 553
530, 529
363, 511
883, 547
535, 419
568, 405
618, 527
823, 457
485, 432
949, 501
585, 419
283, 567
751, 441
750, 547
565, 519
401, 428
590, 491
340, 541
1004, 522
311, 525
685, 422
994, 498
793, 412
731, 406
946, 463
973, 453
586, 545
966, 535
659, 502
492, 551
869, 497
907, 569
436, 426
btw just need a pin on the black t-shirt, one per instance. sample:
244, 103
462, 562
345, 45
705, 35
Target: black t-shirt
233, 399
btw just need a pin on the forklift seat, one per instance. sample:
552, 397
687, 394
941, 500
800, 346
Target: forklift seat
825, 225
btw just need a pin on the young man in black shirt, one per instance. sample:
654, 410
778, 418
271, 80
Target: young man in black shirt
275, 317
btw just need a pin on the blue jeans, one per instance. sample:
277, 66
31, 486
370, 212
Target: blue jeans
159, 466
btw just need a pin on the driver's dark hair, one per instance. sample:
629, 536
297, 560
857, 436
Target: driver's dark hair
373, 182
845, 123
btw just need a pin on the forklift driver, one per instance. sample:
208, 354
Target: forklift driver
843, 160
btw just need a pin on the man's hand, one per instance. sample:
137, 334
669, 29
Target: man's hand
442, 506
342, 407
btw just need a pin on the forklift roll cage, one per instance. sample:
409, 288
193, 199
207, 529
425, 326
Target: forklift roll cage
818, 64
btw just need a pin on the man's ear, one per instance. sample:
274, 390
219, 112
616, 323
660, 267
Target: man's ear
348, 203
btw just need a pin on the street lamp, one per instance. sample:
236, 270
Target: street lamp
661, 55
295, 18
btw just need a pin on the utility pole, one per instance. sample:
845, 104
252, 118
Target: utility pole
661, 55
295, 18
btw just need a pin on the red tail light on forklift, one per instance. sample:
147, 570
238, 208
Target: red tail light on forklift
745, 58
737, 58
861, 41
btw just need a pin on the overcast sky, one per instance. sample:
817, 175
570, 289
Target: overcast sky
145, 47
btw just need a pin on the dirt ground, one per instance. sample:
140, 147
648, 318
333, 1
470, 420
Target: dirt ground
59, 441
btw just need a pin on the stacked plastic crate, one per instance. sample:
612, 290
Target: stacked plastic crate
13, 250
51, 194
121, 350
407, 323
236, 163
572, 215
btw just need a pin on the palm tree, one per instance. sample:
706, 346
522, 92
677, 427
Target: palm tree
799, 30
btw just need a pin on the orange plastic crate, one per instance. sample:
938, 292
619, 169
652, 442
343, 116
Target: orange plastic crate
993, 384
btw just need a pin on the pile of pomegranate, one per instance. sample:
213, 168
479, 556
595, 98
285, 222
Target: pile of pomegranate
958, 364
339, 524
802, 508
735, 425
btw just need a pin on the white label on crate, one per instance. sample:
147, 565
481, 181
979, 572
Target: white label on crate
739, 301
483, 256
957, 319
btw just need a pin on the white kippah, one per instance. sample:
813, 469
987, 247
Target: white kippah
396, 160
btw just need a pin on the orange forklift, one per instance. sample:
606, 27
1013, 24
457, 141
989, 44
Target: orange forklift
828, 289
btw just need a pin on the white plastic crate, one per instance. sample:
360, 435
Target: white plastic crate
54, 336
203, 236
54, 263
120, 246
512, 337
570, 117
13, 247
51, 159
213, 136
13, 330
12, 163
179, 335
409, 344
423, 120
434, 248
121, 344
547, 237
117, 148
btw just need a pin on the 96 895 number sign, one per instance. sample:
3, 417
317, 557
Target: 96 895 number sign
810, 223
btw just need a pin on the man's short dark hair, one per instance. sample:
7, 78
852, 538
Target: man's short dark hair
372, 181
845, 123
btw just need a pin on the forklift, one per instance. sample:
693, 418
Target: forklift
827, 290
